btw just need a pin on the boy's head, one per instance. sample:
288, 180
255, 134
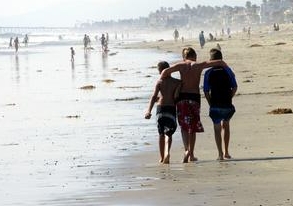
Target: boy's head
163, 65
215, 54
189, 53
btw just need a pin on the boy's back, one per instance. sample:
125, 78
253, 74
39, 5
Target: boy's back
167, 87
220, 81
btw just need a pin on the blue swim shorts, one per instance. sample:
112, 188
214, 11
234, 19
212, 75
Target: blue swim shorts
218, 114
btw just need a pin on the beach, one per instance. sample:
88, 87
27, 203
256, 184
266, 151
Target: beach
260, 171
62, 145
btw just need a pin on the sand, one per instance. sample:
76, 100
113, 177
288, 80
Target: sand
260, 172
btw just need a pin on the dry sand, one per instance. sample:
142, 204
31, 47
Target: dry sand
260, 172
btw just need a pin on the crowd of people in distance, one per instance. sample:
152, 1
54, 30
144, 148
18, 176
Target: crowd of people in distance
16, 43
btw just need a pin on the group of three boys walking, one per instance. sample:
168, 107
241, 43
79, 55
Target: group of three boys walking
181, 99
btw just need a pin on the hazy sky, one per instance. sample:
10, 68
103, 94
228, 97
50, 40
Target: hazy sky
68, 12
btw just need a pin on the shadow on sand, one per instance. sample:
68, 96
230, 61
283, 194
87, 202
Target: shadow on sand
258, 159
247, 159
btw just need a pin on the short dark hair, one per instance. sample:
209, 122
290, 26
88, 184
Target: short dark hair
163, 65
188, 53
215, 54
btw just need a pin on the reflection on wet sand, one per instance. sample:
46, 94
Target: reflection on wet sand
16, 68
86, 64
105, 60
72, 70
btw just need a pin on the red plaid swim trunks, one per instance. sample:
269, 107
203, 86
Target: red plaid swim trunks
188, 112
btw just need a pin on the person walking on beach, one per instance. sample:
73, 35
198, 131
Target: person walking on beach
220, 87
188, 102
104, 43
164, 95
16, 44
72, 54
202, 40
176, 35
248, 32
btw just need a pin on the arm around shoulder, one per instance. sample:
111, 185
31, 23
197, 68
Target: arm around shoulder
171, 69
212, 63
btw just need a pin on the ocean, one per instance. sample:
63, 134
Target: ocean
54, 134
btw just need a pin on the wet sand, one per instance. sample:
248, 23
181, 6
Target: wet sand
67, 170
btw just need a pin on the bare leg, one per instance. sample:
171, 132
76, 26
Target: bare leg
185, 140
168, 143
162, 146
218, 139
226, 130
192, 139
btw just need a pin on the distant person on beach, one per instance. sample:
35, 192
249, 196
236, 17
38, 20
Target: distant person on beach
16, 44
85, 42
188, 102
220, 87
25, 40
104, 43
10, 42
72, 52
164, 94
176, 35
211, 37
276, 27
202, 40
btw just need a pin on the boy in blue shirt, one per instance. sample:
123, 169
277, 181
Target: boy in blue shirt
220, 87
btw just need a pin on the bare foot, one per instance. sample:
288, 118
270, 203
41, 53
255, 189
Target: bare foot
186, 157
193, 158
166, 159
161, 160
227, 156
220, 158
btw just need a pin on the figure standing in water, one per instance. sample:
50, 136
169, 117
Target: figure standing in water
85, 42
104, 43
25, 40
16, 44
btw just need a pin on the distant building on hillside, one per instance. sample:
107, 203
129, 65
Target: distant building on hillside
275, 10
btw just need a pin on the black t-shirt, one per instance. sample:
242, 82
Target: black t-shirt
220, 81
